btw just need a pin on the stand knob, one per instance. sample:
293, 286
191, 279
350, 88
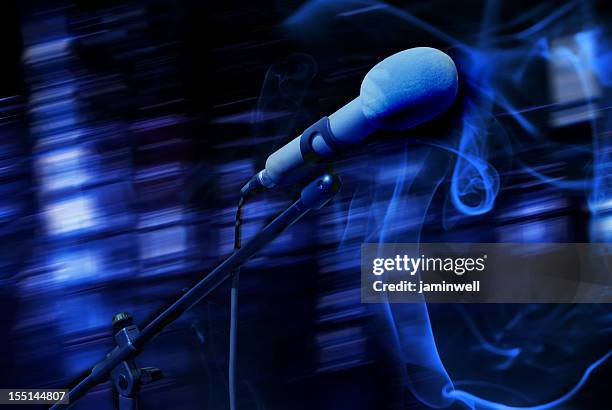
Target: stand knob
150, 374
121, 320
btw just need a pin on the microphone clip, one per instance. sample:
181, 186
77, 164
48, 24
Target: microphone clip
321, 129
261, 182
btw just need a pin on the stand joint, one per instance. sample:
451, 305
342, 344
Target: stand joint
127, 378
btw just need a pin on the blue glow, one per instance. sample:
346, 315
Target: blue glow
475, 182
70, 215
135, 181
478, 403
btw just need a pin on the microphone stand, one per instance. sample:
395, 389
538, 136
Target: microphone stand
119, 363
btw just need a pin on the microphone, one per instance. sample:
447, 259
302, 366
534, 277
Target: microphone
402, 91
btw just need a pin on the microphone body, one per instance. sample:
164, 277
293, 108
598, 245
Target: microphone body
403, 90
330, 135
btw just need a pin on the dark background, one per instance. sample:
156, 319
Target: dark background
127, 129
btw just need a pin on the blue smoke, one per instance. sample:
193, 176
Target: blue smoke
499, 118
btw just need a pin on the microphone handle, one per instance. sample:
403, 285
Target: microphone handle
328, 136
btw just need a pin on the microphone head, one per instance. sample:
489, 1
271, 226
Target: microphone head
408, 88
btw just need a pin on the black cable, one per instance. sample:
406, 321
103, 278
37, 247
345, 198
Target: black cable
234, 309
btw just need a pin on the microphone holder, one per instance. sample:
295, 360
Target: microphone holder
119, 363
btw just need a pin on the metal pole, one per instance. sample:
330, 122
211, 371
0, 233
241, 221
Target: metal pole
314, 196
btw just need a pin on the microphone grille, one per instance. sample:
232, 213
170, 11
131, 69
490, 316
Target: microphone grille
408, 88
